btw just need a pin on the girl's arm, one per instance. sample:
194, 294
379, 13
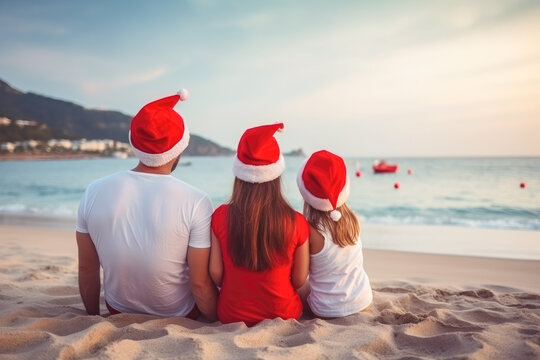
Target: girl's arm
216, 262
300, 266
316, 241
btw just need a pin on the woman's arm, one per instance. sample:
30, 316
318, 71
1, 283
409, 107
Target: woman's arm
300, 266
216, 262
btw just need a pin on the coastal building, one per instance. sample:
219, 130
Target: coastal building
62, 143
28, 144
23, 123
122, 146
94, 145
8, 146
105, 147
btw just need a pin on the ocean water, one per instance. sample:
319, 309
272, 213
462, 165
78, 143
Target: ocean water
471, 192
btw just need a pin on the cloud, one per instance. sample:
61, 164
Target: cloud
253, 20
94, 87
51, 64
16, 26
463, 15
63, 66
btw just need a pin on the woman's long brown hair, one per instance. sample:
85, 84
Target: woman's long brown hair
260, 223
344, 232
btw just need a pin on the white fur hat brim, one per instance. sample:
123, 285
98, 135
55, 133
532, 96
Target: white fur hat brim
155, 160
319, 203
258, 173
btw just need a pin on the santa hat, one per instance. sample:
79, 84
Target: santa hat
258, 158
324, 183
157, 133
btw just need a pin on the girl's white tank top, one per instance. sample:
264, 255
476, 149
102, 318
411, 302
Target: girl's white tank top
339, 284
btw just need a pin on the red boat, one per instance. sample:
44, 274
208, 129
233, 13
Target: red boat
383, 167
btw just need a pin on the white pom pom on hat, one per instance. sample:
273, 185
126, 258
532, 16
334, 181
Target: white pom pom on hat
184, 94
324, 183
335, 215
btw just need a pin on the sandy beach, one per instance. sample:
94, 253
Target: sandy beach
425, 306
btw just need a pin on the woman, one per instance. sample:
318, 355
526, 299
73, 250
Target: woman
259, 254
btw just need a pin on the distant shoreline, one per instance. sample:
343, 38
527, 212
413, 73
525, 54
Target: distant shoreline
29, 157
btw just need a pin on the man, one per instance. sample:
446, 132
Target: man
149, 231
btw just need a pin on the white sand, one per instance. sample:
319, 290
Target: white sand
425, 306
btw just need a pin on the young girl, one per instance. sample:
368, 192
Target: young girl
339, 284
259, 254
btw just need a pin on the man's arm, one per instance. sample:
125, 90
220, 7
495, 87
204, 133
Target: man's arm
202, 287
89, 281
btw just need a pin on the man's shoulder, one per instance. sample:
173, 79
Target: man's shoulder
102, 181
187, 188
173, 188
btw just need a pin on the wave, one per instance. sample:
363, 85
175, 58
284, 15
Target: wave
49, 210
42, 191
496, 217
510, 224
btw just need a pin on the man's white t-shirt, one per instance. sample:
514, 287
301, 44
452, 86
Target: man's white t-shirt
141, 225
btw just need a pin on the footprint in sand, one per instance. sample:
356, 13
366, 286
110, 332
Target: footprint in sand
61, 291
268, 332
431, 326
70, 300
478, 293
447, 345
529, 331
389, 317
35, 275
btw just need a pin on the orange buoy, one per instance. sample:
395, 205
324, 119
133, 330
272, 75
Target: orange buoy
409, 171
358, 173
522, 185
396, 185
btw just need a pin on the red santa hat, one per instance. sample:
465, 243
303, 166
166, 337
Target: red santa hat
258, 158
324, 183
157, 133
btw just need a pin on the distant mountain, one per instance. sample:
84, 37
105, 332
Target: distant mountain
63, 119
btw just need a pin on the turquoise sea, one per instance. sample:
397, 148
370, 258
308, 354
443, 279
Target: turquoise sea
471, 192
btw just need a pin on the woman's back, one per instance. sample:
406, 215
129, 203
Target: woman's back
252, 296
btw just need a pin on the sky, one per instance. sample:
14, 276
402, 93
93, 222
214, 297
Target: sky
359, 78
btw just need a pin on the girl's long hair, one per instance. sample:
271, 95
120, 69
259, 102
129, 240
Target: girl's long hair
344, 232
260, 223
